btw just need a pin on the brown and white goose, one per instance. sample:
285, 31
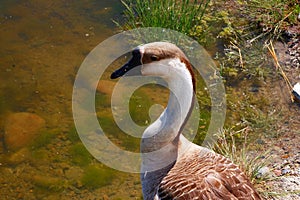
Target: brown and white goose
172, 166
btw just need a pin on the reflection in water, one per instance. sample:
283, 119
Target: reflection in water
43, 44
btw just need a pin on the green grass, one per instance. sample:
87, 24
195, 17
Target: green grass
181, 16
235, 145
259, 19
248, 26
273, 16
240, 154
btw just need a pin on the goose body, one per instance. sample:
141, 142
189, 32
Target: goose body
172, 166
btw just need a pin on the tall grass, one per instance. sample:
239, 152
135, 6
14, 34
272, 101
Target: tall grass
181, 16
239, 153
252, 165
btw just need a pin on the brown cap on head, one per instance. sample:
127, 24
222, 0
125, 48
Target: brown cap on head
154, 52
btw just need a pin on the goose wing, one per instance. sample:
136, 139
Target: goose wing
206, 176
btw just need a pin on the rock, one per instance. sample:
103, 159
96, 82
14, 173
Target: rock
48, 182
74, 173
19, 156
277, 172
260, 141
21, 128
286, 170
105, 86
263, 172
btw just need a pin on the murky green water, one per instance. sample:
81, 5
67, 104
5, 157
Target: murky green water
42, 46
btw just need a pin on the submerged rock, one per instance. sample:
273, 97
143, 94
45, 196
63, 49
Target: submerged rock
19, 156
105, 86
48, 182
21, 128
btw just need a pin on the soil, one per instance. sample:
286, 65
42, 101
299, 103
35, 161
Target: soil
285, 148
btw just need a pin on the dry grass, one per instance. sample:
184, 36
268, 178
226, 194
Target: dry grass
239, 152
279, 68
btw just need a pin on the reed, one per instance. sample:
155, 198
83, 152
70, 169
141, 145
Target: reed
181, 16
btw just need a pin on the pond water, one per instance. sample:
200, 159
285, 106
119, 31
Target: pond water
43, 44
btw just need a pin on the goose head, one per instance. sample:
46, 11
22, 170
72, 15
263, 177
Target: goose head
161, 59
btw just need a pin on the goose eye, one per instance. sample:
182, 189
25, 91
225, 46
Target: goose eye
154, 58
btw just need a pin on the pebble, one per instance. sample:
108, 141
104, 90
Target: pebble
286, 170
262, 172
277, 172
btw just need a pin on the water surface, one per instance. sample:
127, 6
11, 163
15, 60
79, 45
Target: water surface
43, 44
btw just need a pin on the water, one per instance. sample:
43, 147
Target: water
42, 46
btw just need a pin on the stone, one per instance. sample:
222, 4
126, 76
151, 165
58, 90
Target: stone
48, 182
19, 156
286, 170
277, 172
21, 128
74, 173
263, 172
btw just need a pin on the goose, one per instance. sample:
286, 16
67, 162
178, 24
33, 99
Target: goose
172, 166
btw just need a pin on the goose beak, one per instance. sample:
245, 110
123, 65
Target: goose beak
120, 72
132, 63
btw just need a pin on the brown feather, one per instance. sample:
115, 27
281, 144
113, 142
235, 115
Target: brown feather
206, 176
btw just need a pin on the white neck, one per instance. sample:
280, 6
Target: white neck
159, 137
